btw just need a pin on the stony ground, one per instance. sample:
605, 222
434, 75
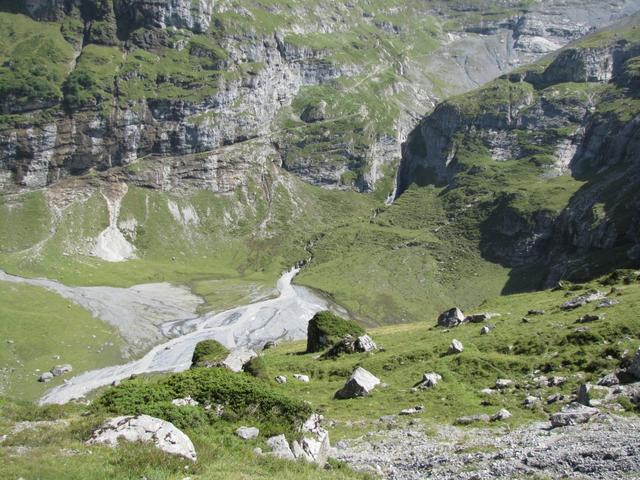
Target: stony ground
606, 448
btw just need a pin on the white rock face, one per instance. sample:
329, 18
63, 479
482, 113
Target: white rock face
111, 246
360, 384
143, 428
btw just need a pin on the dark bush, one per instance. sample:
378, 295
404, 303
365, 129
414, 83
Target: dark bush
208, 353
326, 329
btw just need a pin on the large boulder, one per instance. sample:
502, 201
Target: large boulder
209, 353
237, 358
280, 448
143, 428
573, 414
360, 384
326, 329
451, 318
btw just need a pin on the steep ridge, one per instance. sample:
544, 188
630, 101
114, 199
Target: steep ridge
546, 157
124, 79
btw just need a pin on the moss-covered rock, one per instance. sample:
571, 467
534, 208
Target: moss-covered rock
256, 367
326, 329
208, 353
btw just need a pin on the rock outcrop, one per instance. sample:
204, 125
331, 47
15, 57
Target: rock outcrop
143, 428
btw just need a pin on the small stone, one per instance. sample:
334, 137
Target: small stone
588, 318
485, 329
503, 383
608, 302
247, 433
301, 378
45, 377
61, 370
281, 379
536, 312
413, 410
469, 419
573, 414
257, 451
429, 380
503, 414
455, 347
530, 401
557, 381
487, 391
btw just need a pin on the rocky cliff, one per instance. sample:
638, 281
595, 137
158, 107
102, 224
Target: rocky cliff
546, 157
118, 80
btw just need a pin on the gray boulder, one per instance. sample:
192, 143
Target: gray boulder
451, 318
573, 414
360, 384
609, 380
455, 347
61, 369
45, 377
237, 358
582, 300
582, 395
280, 448
185, 402
429, 380
247, 433
469, 419
143, 428
365, 344
501, 415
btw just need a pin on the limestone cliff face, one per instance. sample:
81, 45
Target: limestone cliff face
571, 121
176, 78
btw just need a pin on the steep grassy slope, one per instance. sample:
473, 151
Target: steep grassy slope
552, 344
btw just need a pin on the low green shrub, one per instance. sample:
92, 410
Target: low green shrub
325, 329
207, 353
241, 395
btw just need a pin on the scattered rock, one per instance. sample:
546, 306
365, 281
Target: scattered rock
412, 410
588, 318
609, 380
608, 302
582, 300
237, 358
360, 384
573, 414
503, 383
451, 318
270, 344
45, 377
526, 320
61, 369
486, 329
503, 414
536, 312
582, 394
557, 381
143, 428
280, 448
469, 419
365, 344
455, 347
487, 391
301, 378
556, 397
530, 401
480, 317
281, 379
315, 449
428, 380
247, 433
185, 402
